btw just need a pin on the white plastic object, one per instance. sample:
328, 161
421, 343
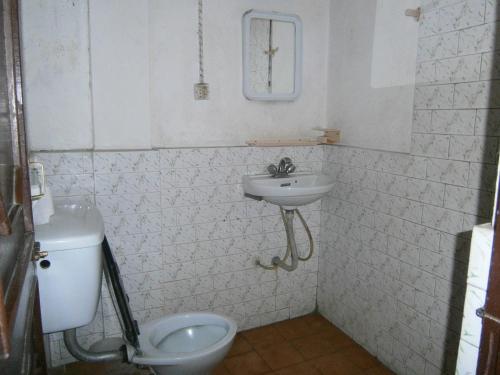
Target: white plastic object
70, 276
37, 179
43, 208
73, 226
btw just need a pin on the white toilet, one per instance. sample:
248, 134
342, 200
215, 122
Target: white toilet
70, 284
191, 343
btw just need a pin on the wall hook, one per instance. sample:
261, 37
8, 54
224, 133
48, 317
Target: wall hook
417, 13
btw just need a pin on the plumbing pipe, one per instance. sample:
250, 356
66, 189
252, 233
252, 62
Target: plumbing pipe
88, 356
291, 249
291, 244
309, 235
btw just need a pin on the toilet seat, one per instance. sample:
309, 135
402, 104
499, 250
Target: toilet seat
180, 344
156, 331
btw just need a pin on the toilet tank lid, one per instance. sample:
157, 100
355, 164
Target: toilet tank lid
73, 226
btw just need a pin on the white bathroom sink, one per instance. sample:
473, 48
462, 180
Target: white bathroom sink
295, 190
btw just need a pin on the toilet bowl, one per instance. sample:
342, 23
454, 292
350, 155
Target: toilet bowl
188, 343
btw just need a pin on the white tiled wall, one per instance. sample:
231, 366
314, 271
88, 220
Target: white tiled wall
184, 235
395, 229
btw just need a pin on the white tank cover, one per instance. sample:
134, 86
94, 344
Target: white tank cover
74, 226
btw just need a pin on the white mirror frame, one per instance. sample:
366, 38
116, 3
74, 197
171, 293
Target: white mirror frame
275, 16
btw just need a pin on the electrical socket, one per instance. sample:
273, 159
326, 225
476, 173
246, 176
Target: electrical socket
201, 91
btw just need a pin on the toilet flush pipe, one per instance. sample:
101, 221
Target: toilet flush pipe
88, 356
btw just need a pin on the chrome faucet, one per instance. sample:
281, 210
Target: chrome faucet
284, 168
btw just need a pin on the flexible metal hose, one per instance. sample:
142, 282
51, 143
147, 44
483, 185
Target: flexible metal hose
309, 235
291, 245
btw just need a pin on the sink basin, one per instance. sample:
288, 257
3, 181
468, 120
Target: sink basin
289, 192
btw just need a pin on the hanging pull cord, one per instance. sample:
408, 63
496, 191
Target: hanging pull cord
290, 246
200, 42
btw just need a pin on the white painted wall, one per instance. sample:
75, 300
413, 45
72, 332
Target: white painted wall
228, 118
119, 40
143, 66
368, 99
56, 67
144, 63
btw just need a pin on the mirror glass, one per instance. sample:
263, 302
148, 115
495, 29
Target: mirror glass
271, 56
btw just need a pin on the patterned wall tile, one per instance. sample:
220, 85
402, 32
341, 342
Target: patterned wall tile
425, 191
422, 121
474, 148
459, 69
433, 145
426, 72
487, 122
438, 47
478, 39
71, 185
489, 67
471, 201
429, 23
483, 176
127, 183
442, 219
462, 15
476, 95
453, 122
65, 163
454, 142
435, 97
448, 171
184, 235
129, 161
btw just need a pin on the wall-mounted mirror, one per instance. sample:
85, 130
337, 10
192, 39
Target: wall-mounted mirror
272, 56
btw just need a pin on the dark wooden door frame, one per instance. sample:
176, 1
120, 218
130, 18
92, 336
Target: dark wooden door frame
489, 349
21, 344
19, 141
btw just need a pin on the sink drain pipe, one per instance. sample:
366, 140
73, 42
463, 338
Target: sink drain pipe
291, 249
75, 349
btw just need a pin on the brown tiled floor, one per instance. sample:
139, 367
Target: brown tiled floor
309, 345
